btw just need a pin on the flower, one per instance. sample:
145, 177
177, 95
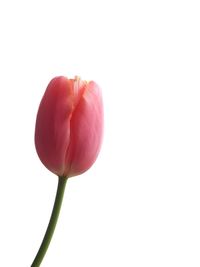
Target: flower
69, 126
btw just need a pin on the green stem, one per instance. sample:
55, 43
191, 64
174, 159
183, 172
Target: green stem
52, 223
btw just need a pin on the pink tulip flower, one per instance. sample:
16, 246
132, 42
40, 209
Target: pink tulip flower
69, 126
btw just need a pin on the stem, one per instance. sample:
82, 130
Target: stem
52, 223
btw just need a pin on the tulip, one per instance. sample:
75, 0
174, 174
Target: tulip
69, 126
68, 136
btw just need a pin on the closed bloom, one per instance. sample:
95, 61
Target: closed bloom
69, 126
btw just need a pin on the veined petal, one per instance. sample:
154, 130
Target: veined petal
86, 130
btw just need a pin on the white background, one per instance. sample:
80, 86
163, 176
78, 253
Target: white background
139, 205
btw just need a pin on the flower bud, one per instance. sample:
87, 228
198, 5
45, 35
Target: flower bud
69, 126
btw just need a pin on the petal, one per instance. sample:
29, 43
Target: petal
86, 130
52, 134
